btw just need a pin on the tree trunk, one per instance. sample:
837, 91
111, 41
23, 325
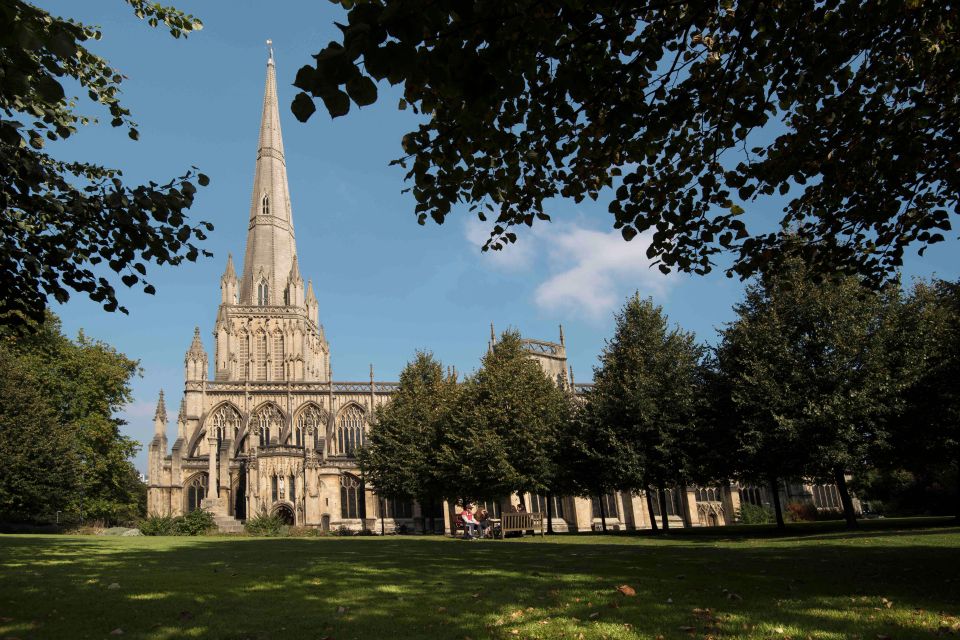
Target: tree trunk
777, 509
664, 518
848, 513
603, 513
550, 514
650, 510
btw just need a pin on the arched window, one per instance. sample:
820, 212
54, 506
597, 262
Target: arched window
351, 498
292, 483
609, 506
311, 421
707, 494
261, 355
350, 430
263, 293
196, 491
540, 505
221, 421
751, 495
268, 422
265, 205
278, 356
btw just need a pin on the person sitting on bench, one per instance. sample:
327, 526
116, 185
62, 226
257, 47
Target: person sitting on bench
470, 526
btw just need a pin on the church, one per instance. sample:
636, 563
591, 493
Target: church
272, 432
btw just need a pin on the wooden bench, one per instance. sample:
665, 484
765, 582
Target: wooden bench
525, 521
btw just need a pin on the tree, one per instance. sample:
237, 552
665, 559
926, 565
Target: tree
809, 377
688, 111
38, 456
926, 435
399, 456
62, 220
647, 389
84, 384
503, 434
595, 460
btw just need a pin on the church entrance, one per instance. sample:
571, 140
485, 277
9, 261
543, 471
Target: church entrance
240, 493
285, 513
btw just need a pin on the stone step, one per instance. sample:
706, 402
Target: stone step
228, 524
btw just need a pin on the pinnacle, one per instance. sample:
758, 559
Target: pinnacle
230, 272
160, 415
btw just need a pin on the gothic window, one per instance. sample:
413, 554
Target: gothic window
261, 356
310, 420
351, 498
263, 293
196, 491
707, 494
350, 430
274, 488
826, 496
269, 422
265, 205
751, 495
397, 508
540, 505
609, 505
278, 356
244, 355
292, 483
221, 421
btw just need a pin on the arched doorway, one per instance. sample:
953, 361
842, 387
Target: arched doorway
285, 513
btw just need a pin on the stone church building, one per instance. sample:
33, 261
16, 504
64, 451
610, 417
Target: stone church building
272, 432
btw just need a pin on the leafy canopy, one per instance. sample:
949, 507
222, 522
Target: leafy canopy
687, 112
62, 219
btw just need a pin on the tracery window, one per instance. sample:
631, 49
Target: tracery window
673, 504
261, 355
540, 505
609, 505
350, 430
263, 293
292, 483
196, 491
269, 422
278, 356
351, 498
707, 494
274, 488
265, 205
826, 496
310, 421
221, 421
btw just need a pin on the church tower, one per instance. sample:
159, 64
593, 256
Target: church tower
268, 327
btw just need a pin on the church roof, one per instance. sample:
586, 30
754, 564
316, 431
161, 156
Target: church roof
271, 246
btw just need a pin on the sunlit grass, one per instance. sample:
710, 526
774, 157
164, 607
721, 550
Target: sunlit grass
829, 586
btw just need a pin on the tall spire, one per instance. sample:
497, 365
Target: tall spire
271, 245
160, 415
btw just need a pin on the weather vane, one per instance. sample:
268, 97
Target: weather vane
270, 48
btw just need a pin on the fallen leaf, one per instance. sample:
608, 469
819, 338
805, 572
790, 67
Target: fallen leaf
594, 615
627, 590
113, 585
341, 609
117, 632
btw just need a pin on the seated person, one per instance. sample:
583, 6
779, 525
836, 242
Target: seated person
469, 523
483, 522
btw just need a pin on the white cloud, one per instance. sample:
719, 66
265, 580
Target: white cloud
594, 271
587, 272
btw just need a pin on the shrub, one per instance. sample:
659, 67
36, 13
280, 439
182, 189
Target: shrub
801, 512
195, 523
266, 525
158, 526
753, 514
342, 530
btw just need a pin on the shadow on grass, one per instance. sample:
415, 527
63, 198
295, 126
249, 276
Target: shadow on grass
235, 588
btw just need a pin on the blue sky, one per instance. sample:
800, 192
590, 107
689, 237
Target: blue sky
386, 285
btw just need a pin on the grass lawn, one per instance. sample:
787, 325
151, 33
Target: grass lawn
896, 584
